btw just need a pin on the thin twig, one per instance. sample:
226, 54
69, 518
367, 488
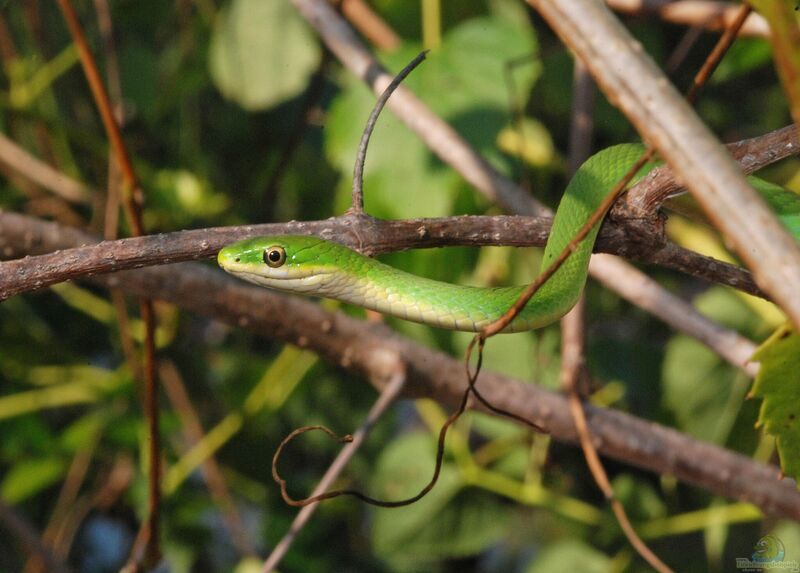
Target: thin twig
28, 539
106, 114
133, 199
15, 157
572, 343
720, 49
388, 395
705, 14
357, 202
371, 25
572, 327
313, 499
601, 478
67, 496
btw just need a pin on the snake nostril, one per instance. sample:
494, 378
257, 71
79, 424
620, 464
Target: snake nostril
237, 259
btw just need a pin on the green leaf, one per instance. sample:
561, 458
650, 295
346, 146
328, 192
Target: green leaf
642, 502
403, 469
287, 53
449, 522
568, 556
179, 197
84, 430
784, 202
745, 55
464, 82
29, 477
702, 391
778, 384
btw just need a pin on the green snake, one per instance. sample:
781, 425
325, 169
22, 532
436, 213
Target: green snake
313, 266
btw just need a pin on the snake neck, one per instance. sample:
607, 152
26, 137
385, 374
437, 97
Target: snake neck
387, 290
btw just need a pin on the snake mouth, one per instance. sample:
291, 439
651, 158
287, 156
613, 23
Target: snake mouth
284, 278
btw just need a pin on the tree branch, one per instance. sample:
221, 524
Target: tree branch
708, 14
634, 84
363, 233
359, 347
644, 198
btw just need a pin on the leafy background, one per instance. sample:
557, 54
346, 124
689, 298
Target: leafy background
212, 94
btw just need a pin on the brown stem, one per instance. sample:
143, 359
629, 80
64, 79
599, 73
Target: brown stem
367, 235
369, 23
29, 539
23, 235
647, 195
133, 199
395, 384
306, 501
356, 346
106, 114
710, 15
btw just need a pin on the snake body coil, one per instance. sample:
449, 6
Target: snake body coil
313, 266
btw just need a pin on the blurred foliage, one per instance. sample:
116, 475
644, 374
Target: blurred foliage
214, 93
776, 384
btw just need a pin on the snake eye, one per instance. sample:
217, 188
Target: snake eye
274, 256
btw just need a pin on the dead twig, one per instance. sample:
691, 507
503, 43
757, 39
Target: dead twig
389, 393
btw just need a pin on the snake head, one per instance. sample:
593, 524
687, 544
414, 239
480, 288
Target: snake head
294, 263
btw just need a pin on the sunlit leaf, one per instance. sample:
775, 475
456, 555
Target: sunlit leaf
785, 203
531, 142
449, 521
778, 385
702, 391
27, 478
287, 53
569, 556
465, 82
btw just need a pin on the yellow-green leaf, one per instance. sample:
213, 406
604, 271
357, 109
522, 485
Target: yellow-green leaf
287, 53
29, 477
778, 384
